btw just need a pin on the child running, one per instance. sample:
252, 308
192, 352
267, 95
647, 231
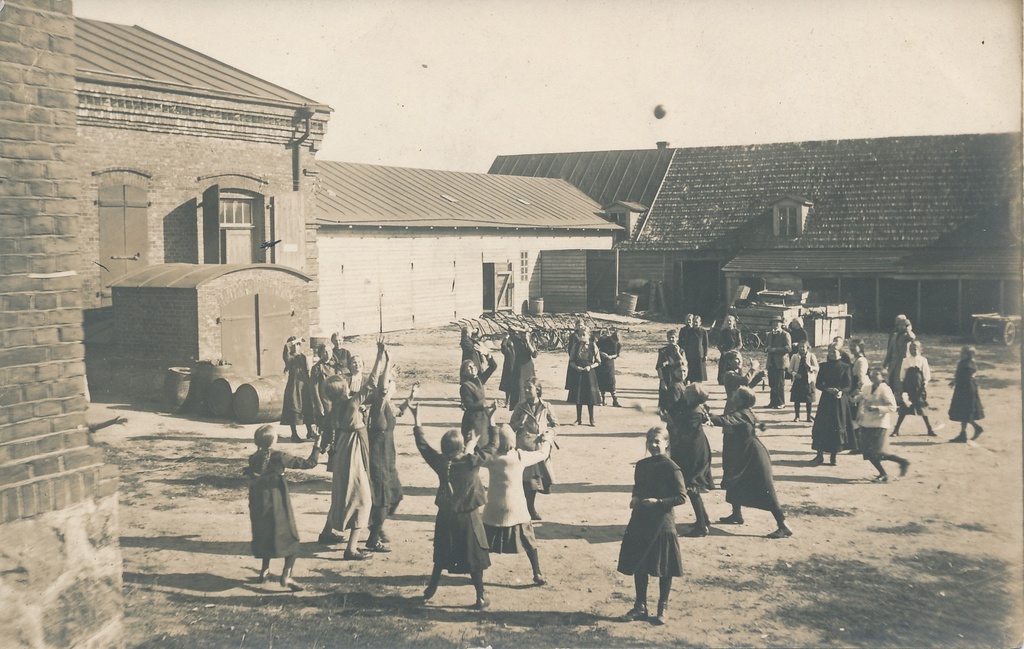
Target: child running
965, 406
875, 405
914, 377
746, 465
650, 546
506, 516
460, 543
270, 508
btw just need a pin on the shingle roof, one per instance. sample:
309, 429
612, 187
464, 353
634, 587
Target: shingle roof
130, 55
605, 176
373, 195
904, 192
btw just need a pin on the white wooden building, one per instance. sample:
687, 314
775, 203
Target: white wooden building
404, 248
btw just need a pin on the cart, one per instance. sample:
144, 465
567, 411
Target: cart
995, 327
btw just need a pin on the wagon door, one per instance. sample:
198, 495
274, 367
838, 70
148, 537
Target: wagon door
274, 326
238, 334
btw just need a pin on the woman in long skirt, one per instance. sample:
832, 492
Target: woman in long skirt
746, 465
875, 405
832, 419
531, 419
473, 397
671, 368
965, 406
693, 343
729, 339
690, 450
650, 546
803, 365
298, 406
583, 385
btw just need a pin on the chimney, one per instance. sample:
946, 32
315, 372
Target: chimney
662, 145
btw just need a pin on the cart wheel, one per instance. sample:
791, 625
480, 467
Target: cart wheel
1009, 333
977, 330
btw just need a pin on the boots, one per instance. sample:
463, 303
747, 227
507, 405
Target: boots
978, 430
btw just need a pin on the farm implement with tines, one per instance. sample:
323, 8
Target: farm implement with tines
548, 332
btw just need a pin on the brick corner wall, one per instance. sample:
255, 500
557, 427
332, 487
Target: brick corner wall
58, 500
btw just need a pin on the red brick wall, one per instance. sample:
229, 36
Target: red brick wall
168, 165
51, 479
158, 325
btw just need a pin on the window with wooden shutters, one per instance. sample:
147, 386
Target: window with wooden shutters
233, 227
123, 231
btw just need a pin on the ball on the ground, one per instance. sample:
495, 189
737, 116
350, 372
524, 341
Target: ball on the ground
659, 111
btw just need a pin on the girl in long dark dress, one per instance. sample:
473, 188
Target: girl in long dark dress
473, 397
965, 406
729, 339
583, 386
650, 546
803, 365
524, 351
832, 419
298, 406
571, 345
460, 542
693, 343
610, 348
705, 344
385, 486
735, 377
746, 464
270, 508
690, 450
671, 368
507, 383
530, 420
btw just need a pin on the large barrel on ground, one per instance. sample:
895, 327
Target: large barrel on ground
203, 375
259, 401
220, 394
177, 381
626, 303
537, 306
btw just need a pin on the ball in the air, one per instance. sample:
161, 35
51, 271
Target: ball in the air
659, 111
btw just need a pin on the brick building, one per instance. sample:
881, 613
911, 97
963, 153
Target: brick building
61, 583
184, 160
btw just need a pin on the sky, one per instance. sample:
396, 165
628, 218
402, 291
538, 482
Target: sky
451, 84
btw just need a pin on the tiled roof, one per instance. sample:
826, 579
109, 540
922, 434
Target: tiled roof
373, 195
930, 263
902, 192
130, 55
605, 176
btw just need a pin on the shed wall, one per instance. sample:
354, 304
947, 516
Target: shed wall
425, 281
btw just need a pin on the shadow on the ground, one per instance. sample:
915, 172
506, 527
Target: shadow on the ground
186, 543
588, 488
817, 479
548, 530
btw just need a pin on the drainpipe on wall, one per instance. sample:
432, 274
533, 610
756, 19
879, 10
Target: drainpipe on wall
303, 117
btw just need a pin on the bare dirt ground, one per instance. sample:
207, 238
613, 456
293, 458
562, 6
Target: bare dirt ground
931, 560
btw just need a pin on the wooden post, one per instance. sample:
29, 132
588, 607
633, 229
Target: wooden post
918, 314
960, 305
615, 296
839, 290
878, 304
1002, 291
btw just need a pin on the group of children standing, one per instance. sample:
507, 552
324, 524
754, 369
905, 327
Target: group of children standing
356, 421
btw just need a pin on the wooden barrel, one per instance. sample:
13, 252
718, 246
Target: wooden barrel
220, 394
259, 401
203, 375
177, 381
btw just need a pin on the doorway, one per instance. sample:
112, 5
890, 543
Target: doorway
499, 288
253, 330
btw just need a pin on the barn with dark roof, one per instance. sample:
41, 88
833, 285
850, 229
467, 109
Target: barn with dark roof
927, 225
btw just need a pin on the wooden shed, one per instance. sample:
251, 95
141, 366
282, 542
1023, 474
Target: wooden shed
176, 314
